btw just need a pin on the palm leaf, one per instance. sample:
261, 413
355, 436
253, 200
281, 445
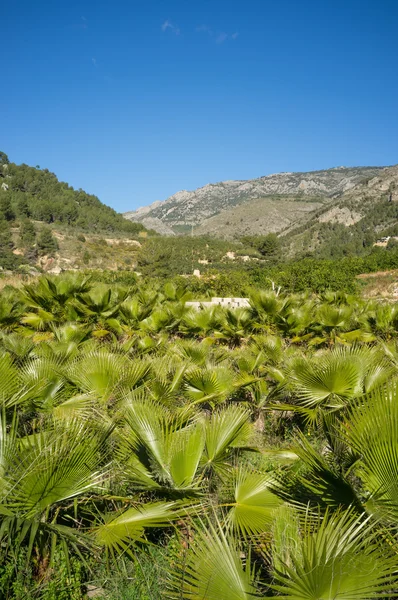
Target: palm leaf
372, 431
212, 570
337, 557
255, 503
120, 531
224, 430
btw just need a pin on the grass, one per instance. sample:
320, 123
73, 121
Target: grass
382, 285
141, 579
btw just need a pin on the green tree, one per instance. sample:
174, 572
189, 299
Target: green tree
8, 260
269, 245
23, 209
27, 233
46, 242
6, 209
3, 159
5, 234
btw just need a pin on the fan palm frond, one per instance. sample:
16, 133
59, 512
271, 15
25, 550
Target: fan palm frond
337, 556
372, 431
212, 569
255, 503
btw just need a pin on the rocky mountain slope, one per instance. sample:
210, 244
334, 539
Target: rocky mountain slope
359, 216
256, 206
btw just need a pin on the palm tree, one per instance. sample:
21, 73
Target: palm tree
329, 381
42, 476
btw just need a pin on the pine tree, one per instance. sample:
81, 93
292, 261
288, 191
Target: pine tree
8, 260
23, 207
6, 210
4, 159
46, 242
27, 233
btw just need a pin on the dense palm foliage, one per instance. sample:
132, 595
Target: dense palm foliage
257, 447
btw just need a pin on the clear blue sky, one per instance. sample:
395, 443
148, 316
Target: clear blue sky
135, 100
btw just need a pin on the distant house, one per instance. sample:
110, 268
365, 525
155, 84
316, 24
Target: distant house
383, 241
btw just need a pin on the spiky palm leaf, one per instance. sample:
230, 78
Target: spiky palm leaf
118, 532
166, 450
42, 474
225, 429
210, 386
331, 380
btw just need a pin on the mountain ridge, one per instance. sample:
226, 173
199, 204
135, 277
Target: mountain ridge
194, 210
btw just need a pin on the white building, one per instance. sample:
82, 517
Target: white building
224, 302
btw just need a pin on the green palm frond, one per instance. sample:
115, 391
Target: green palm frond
39, 321
329, 381
225, 430
10, 381
372, 431
209, 385
270, 346
336, 557
43, 381
19, 346
41, 476
212, 569
49, 469
77, 407
323, 481
119, 532
201, 322
184, 456
166, 451
102, 374
255, 503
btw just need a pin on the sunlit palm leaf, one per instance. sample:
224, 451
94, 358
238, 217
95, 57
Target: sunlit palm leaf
372, 430
119, 531
255, 504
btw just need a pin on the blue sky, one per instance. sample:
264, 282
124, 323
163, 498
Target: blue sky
135, 100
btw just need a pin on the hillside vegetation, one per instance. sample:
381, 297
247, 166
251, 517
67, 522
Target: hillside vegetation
43, 217
150, 450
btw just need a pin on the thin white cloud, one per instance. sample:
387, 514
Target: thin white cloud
221, 37
94, 61
204, 29
169, 25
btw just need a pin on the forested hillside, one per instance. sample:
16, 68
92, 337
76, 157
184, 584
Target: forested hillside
36, 193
